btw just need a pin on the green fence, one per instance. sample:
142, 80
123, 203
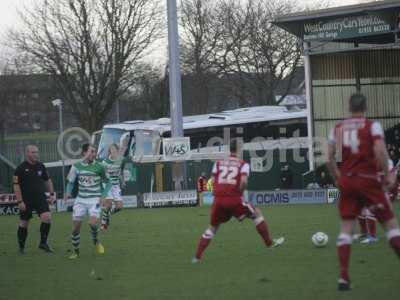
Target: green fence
6, 173
13, 150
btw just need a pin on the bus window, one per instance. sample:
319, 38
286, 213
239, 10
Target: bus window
147, 142
108, 137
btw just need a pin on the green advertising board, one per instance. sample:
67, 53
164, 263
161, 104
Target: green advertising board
344, 28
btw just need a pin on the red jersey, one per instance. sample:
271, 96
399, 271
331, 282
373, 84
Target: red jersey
354, 139
202, 184
227, 176
395, 189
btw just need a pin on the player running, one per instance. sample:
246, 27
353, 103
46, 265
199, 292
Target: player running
229, 177
360, 146
93, 185
113, 165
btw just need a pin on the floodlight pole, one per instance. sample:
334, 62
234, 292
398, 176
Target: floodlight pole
174, 71
175, 91
59, 104
310, 119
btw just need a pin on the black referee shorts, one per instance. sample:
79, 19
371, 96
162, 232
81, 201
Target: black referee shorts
40, 205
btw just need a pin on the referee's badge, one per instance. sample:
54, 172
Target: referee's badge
39, 173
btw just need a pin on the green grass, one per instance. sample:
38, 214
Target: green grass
148, 254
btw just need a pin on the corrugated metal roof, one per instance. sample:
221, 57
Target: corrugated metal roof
230, 117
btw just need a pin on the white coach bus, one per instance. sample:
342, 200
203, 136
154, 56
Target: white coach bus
260, 127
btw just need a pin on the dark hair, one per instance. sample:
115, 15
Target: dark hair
85, 147
357, 103
233, 146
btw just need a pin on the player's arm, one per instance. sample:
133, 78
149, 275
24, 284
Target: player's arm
392, 173
49, 184
72, 175
124, 145
17, 190
332, 165
50, 189
244, 176
106, 183
214, 174
21, 203
381, 153
125, 160
244, 179
382, 158
331, 156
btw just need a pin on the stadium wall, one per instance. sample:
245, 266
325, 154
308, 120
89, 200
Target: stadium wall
335, 76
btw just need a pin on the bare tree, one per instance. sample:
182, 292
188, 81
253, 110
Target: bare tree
202, 34
237, 39
262, 54
152, 91
92, 47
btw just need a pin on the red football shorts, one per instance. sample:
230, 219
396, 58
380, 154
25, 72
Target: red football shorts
224, 208
358, 192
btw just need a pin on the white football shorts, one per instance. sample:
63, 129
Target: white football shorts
80, 210
115, 193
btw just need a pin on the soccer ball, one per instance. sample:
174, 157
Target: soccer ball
320, 239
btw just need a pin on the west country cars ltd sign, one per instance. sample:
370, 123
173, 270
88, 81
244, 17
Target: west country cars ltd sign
344, 28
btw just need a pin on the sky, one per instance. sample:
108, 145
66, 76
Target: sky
9, 15
8, 9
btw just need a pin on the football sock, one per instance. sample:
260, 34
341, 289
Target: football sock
76, 240
94, 229
371, 225
44, 232
204, 242
344, 250
394, 239
363, 225
105, 215
116, 209
22, 233
262, 230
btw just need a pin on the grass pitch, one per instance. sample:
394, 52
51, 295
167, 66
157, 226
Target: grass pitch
148, 256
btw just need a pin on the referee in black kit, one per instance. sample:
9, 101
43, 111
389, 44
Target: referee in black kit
31, 181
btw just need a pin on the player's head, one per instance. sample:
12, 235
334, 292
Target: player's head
357, 103
32, 153
113, 150
88, 152
233, 146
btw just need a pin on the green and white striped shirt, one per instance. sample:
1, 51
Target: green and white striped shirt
114, 169
93, 181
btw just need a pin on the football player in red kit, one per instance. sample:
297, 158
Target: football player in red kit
359, 145
367, 220
230, 178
